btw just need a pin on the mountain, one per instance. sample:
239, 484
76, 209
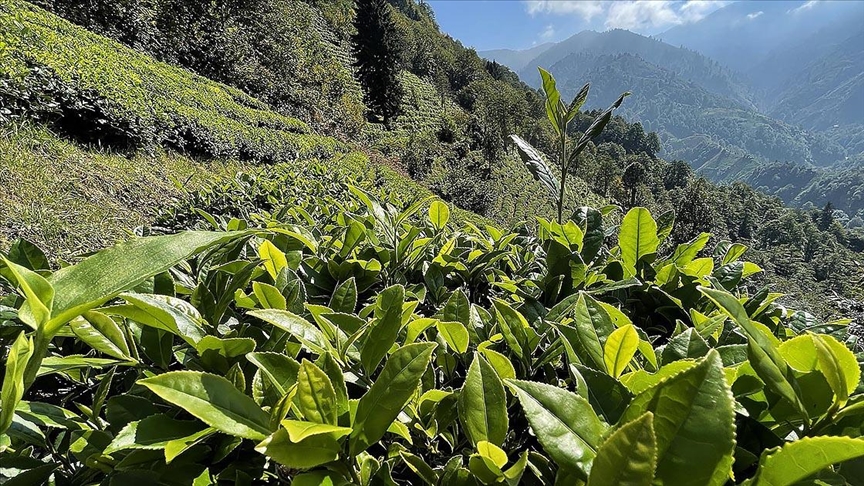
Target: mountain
688, 64
680, 94
514, 59
741, 34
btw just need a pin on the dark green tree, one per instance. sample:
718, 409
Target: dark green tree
378, 56
826, 217
634, 176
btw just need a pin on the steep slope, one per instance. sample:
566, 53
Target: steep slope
152, 134
804, 61
666, 102
828, 90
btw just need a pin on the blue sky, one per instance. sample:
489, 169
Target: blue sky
518, 24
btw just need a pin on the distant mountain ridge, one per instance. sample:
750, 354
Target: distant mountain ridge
707, 73
516, 59
774, 97
679, 93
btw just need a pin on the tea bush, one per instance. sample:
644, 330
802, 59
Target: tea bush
339, 339
96, 85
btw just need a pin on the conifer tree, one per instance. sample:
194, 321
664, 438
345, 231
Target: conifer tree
378, 53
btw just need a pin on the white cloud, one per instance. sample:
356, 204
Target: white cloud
805, 6
629, 14
753, 15
587, 9
641, 15
696, 10
548, 33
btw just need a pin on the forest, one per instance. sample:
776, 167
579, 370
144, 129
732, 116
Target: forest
321, 242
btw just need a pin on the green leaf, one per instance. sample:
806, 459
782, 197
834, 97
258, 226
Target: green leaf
39, 295
269, 296
686, 252
28, 255
596, 127
802, 458
307, 453
500, 362
13, 379
592, 327
154, 432
688, 344
213, 400
321, 478
694, 424
578, 101
564, 423
163, 312
607, 396
344, 297
538, 168
513, 325
439, 214
628, 457
620, 348
483, 404
299, 430
316, 398
103, 276
225, 347
178, 446
762, 353
553, 101
380, 405
101, 333
280, 370
382, 333
637, 238
839, 366
304, 331
58, 364
36, 475
420, 468
274, 259
455, 334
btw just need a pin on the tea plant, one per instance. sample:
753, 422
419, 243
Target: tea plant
560, 115
345, 340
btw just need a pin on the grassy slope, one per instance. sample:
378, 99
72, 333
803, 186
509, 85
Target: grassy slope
71, 199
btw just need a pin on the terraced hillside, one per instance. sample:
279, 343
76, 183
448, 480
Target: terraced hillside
152, 135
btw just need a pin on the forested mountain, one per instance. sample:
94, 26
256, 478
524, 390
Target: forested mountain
802, 61
689, 65
794, 98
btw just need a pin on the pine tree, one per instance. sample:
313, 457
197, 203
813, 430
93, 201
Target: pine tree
378, 53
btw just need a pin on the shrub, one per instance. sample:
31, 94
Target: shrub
143, 100
343, 341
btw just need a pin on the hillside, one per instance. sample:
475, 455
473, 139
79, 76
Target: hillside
676, 107
152, 134
801, 61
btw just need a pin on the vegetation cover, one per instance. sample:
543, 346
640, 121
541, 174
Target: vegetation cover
344, 341
301, 324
